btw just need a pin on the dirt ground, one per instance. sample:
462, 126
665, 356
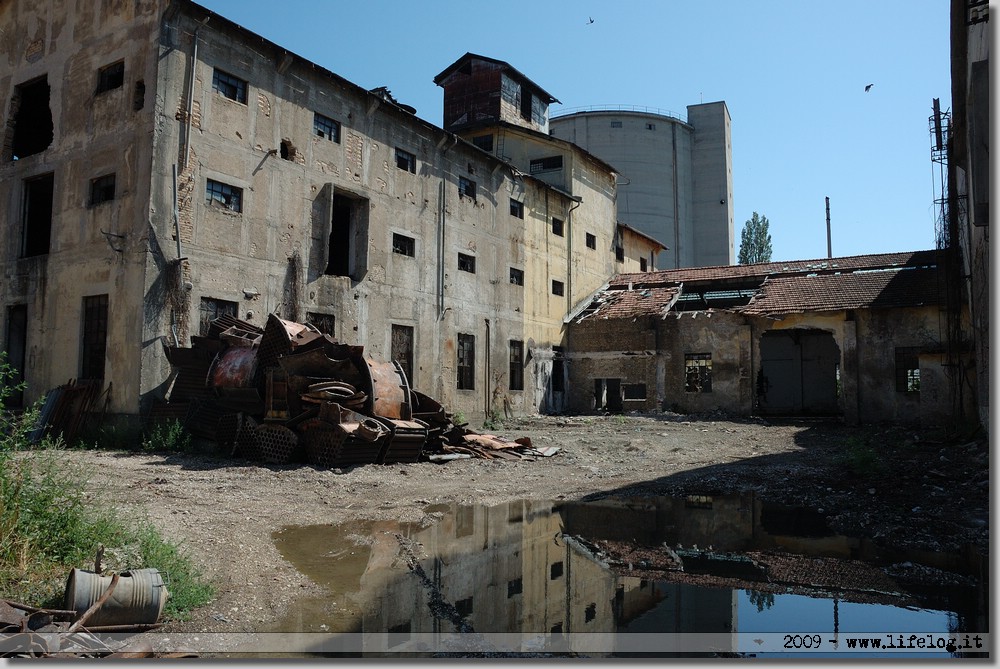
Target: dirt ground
927, 491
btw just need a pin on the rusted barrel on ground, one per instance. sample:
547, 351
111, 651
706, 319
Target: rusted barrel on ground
137, 599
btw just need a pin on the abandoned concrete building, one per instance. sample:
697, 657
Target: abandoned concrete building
676, 174
862, 337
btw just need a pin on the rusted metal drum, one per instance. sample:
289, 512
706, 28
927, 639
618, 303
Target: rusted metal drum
390, 390
137, 599
233, 368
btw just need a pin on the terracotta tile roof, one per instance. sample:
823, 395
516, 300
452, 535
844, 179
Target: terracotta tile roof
857, 290
630, 303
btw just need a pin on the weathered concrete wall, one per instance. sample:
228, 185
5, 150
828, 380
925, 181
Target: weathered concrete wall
712, 179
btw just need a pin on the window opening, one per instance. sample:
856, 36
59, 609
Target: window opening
546, 164
229, 86
516, 276
591, 241
643, 264
590, 613
467, 263
211, 309
139, 95
616, 124
466, 362
620, 253
401, 348
403, 245
37, 216
33, 130
557, 227
406, 161
17, 346
516, 374
698, 372
634, 391
110, 77
95, 336
514, 587
348, 247
516, 208
325, 323
464, 607
484, 142
287, 150
102, 189
650, 126
907, 369
326, 127
558, 288
558, 372
228, 196
555, 570
466, 188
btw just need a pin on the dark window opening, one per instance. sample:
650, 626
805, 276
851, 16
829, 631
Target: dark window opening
591, 241
139, 95
467, 263
33, 129
516, 208
514, 587
287, 150
37, 221
95, 337
558, 370
211, 309
558, 288
102, 189
907, 369
557, 227
555, 570
348, 237
516, 276
403, 245
466, 188
401, 349
229, 86
698, 372
484, 142
326, 127
325, 323
225, 195
643, 264
590, 613
17, 346
556, 629
464, 607
466, 362
650, 126
634, 391
516, 379
110, 77
406, 161
545, 164
620, 253
616, 124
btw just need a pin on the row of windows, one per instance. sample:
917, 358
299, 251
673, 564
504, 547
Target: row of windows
466, 363
618, 124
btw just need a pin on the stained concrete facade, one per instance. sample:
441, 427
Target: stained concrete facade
247, 180
676, 181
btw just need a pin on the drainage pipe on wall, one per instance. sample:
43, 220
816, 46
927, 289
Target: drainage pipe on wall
190, 109
486, 385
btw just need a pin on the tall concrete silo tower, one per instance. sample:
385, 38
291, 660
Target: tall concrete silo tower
677, 175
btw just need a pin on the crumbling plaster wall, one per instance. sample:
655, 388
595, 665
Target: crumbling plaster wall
93, 249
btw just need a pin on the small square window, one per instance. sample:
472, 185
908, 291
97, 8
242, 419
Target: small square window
620, 253
650, 126
698, 372
555, 570
406, 161
516, 276
466, 188
516, 208
643, 264
557, 227
229, 86
403, 245
591, 241
557, 287
110, 77
467, 263
325, 323
514, 587
102, 189
326, 127
224, 195
484, 142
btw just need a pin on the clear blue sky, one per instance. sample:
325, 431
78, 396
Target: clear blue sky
792, 73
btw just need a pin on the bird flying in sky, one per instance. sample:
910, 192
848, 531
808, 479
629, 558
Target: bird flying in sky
868, 87
590, 21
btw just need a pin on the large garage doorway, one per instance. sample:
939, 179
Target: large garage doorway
799, 373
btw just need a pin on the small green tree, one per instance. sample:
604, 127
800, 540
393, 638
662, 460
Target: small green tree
755, 241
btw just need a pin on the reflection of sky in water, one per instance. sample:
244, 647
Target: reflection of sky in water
800, 614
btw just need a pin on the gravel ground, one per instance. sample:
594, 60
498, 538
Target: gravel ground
930, 492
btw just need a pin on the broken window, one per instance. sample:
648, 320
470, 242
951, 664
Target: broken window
229, 86
110, 77
643, 264
591, 241
620, 253
516, 208
325, 323
514, 587
555, 570
401, 348
95, 336
484, 142
228, 196
557, 227
467, 263
558, 373
326, 127
37, 216
650, 126
698, 372
466, 188
466, 362
403, 245
907, 369
287, 150
634, 391
558, 288
32, 119
510, 91
546, 164
102, 189
17, 340
406, 161
211, 309
348, 247
516, 276
516, 378
139, 95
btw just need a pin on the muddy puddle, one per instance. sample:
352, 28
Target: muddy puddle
663, 577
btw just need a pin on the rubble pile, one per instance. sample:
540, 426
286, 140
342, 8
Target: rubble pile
289, 393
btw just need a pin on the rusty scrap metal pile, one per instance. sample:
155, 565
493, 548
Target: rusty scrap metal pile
288, 393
